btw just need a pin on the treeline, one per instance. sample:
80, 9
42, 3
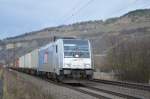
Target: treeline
130, 60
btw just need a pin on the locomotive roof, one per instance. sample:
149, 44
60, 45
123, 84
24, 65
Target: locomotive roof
46, 46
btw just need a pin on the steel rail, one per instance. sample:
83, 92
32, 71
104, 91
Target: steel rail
85, 91
125, 84
113, 93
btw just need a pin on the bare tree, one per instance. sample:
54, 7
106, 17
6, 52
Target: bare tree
131, 60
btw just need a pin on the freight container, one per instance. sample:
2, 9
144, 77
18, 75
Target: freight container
27, 61
17, 63
34, 58
21, 62
46, 59
62, 59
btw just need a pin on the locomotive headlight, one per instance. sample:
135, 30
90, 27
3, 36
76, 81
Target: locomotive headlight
67, 65
87, 65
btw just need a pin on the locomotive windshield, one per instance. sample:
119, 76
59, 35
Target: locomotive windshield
76, 49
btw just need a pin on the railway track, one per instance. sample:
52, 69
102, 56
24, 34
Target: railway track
107, 93
95, 92
125, 84
92, 91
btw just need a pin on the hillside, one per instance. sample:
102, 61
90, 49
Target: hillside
2, 45
103, 34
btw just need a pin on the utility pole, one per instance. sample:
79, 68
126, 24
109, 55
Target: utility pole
8, 59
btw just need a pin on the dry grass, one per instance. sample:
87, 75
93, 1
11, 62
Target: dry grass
1, 83
1, 73
16, 87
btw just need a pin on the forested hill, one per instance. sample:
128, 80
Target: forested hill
103, 34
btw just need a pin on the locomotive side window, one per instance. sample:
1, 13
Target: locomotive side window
56, 49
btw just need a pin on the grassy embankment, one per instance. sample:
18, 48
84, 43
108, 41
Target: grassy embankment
15, 87
1, 83
1, 73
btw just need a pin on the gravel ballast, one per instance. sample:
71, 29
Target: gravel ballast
56, 91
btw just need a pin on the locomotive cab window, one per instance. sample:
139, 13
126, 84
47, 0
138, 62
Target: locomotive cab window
76, 49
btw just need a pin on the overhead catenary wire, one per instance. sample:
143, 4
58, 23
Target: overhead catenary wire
85, 5
70, 15
146, 6
121, 9
123, 40
78, 10
74, 8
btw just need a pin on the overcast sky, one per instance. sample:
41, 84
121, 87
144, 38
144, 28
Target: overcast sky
20, 16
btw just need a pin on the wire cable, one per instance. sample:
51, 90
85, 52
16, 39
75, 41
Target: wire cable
71, 10
79, 10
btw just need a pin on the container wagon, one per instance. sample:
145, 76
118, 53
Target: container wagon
29, 62
65, 59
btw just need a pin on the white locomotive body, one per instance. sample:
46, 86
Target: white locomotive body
63, 59
67, 59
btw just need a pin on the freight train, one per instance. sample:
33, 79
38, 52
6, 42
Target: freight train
65, 59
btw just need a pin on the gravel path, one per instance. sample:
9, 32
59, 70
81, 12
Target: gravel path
57, 92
